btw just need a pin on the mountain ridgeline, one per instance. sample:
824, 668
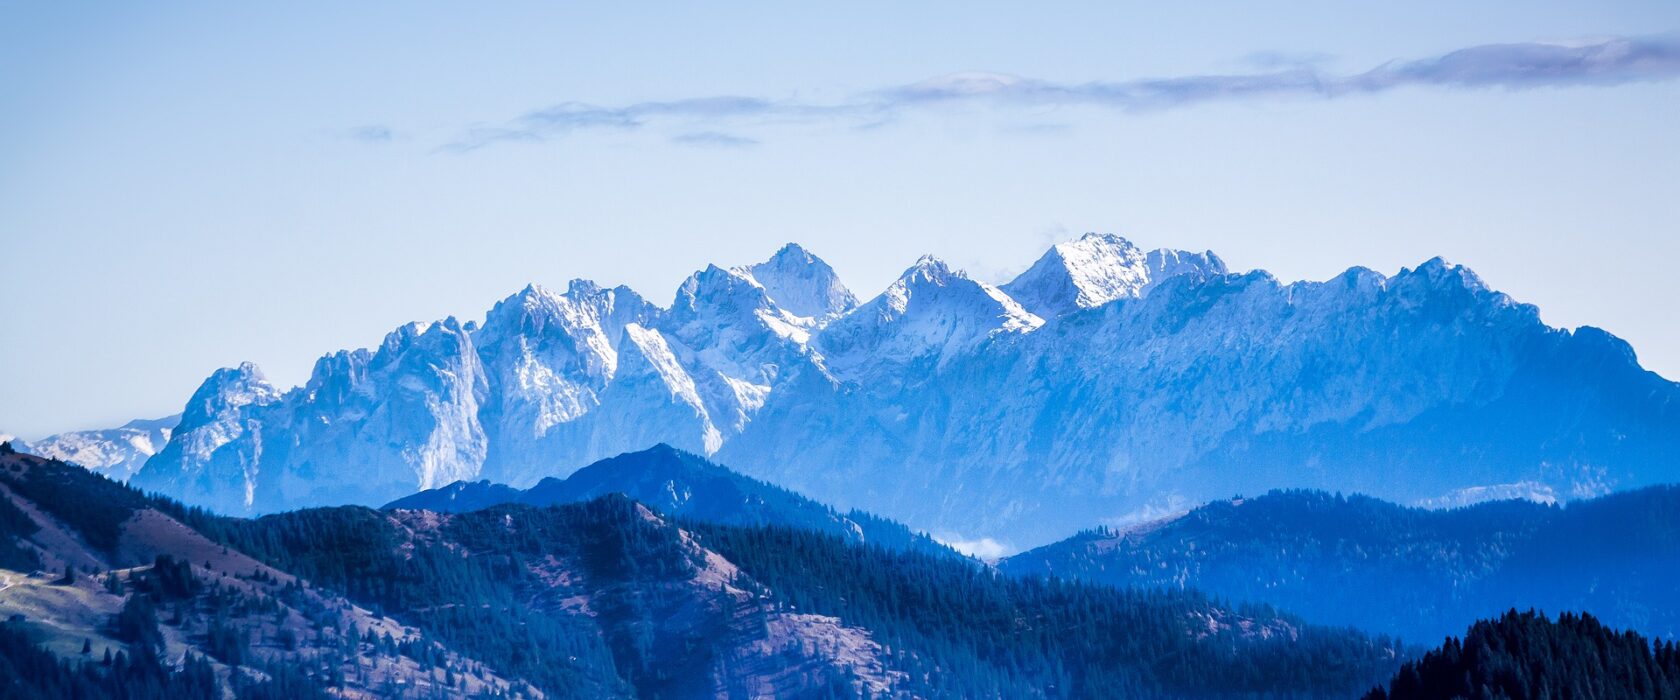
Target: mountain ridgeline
1103, 381
1418, 574
685, 486
599, 599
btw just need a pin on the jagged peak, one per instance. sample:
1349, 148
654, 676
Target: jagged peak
1090, 271
228, 388
338, 361
417, 342
436, 341
408, 333
579, 286
931, 272
1438, 271
1094, 241
713, 276
578, 290
244, 374
930, 308
930, 268
1098, 268
802, 284
533, 298
1168, 262
791, 252
587, 291
584, 302
719, 287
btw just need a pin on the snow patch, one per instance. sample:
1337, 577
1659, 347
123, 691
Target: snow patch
1470, 495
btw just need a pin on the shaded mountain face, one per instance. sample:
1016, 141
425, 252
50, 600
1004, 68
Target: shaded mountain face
603, 599
1104, 384
685, 486
1384, 568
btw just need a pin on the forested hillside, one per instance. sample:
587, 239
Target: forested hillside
976, 633
606, 598
1527, 655
1420, 574
142, 606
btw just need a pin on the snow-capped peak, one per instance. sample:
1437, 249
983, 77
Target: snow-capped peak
929, 268
929, 279
716, 299
930, 311
530, 310
1098, 268
716, 285
803, 284
547, 355
227, 389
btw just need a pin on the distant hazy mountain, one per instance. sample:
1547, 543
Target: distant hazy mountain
684, 485
1416, 573
459, 497
600, 599
116, 452
1103, 384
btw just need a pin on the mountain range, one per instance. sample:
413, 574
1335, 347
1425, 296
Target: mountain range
1414, 573
1105, 384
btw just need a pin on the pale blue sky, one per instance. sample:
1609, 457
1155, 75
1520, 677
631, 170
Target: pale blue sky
186, 186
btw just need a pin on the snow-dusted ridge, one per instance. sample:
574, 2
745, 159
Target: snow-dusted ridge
115, 452
1103, 380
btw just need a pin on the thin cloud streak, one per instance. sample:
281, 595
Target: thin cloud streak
714, 139
1510, 66
371, 133
1518, 66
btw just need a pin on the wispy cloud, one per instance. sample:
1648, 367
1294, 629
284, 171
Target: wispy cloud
1275, 60
714, 139
569, 117
371, 133
1519, 66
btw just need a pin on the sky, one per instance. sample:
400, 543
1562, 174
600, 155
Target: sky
185, 186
